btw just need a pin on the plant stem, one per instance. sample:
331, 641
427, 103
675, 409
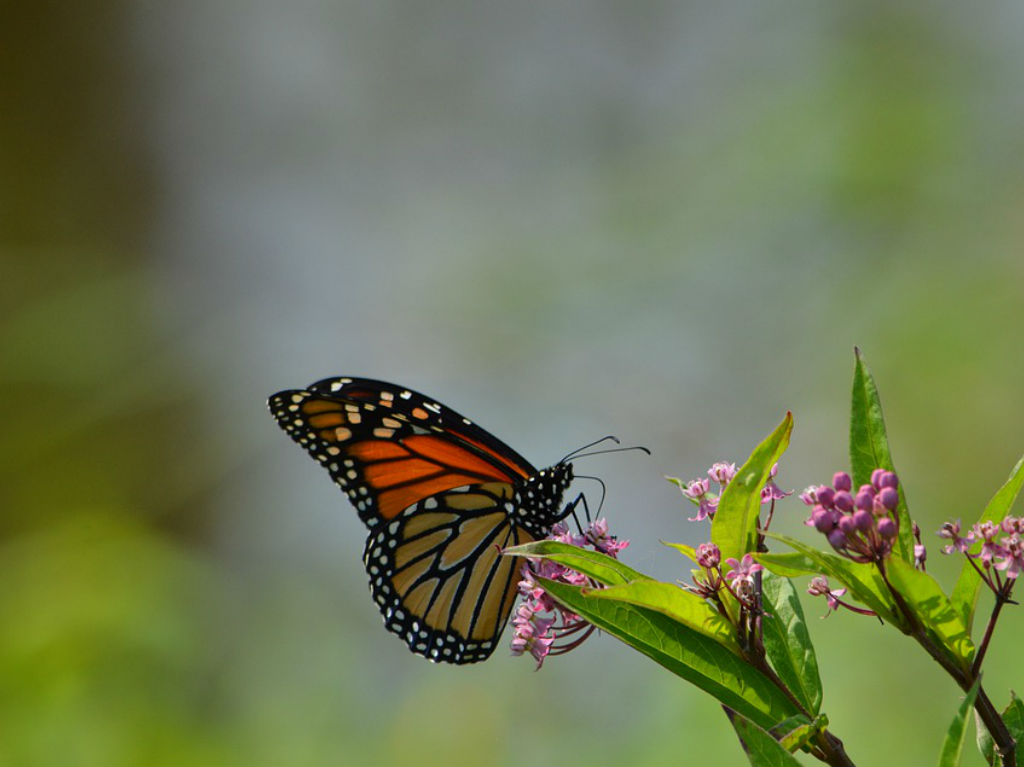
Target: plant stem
1005, 744
1001, 599
833, 751
982, 575
828, 748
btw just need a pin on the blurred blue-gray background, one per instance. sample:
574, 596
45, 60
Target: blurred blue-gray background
671, 222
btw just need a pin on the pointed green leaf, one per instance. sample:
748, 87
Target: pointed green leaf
864, 582
801, 734
985, 743
923, 593
965, 591
687, 653
682, 548
734, 526
600, 567
788, 643
869, 447
789, 564
676, 603
1013, 717
761, 748
953, 745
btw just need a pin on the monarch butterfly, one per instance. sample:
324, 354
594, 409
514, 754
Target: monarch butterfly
441, 497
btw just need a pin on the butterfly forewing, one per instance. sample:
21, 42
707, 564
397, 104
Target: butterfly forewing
442, 498
419, 409
388, 447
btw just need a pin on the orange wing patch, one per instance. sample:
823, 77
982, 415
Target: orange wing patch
386, 474
517, 470
377, 450
457, 458
391, 503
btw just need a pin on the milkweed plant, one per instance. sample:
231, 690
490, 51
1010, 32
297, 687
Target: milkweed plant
736, 629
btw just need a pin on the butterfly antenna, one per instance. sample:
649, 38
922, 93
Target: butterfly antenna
575, 453
610, 450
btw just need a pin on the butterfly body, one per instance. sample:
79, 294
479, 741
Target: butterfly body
441, 497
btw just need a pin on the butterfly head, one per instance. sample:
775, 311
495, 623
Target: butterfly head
540, 498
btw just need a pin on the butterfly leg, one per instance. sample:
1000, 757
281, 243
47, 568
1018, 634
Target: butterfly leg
570, 509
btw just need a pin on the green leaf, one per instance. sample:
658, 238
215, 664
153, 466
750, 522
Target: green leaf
788, 643
869, 448
789, 565
600, 567
680, 483
1013, 716
682, 548
761, 748
863, 581
734, 526
923, 593
676, 603
986, 745
687, 653
801, 733
953, 745
965, 591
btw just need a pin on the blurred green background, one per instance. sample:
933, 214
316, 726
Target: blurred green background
670, 222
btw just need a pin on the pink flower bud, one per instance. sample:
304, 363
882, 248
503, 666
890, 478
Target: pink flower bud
841, 481
823, 520
863, 520
889, 497
847, 525
825, 495
864, 500
837, 538
843, 501
886, 527
876, 478
888, 479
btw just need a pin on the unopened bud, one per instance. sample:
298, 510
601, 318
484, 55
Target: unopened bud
837, 538
889, 497
864, 500
823, 520
876, 478
863, 520
888, 479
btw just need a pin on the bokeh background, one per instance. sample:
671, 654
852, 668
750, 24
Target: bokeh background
667, 221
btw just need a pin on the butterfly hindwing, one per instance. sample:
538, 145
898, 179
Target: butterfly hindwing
438, 576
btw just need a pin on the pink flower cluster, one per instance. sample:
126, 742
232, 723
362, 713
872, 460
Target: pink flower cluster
698, 491
1002, 544
542, 627
859, 526
739, 580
